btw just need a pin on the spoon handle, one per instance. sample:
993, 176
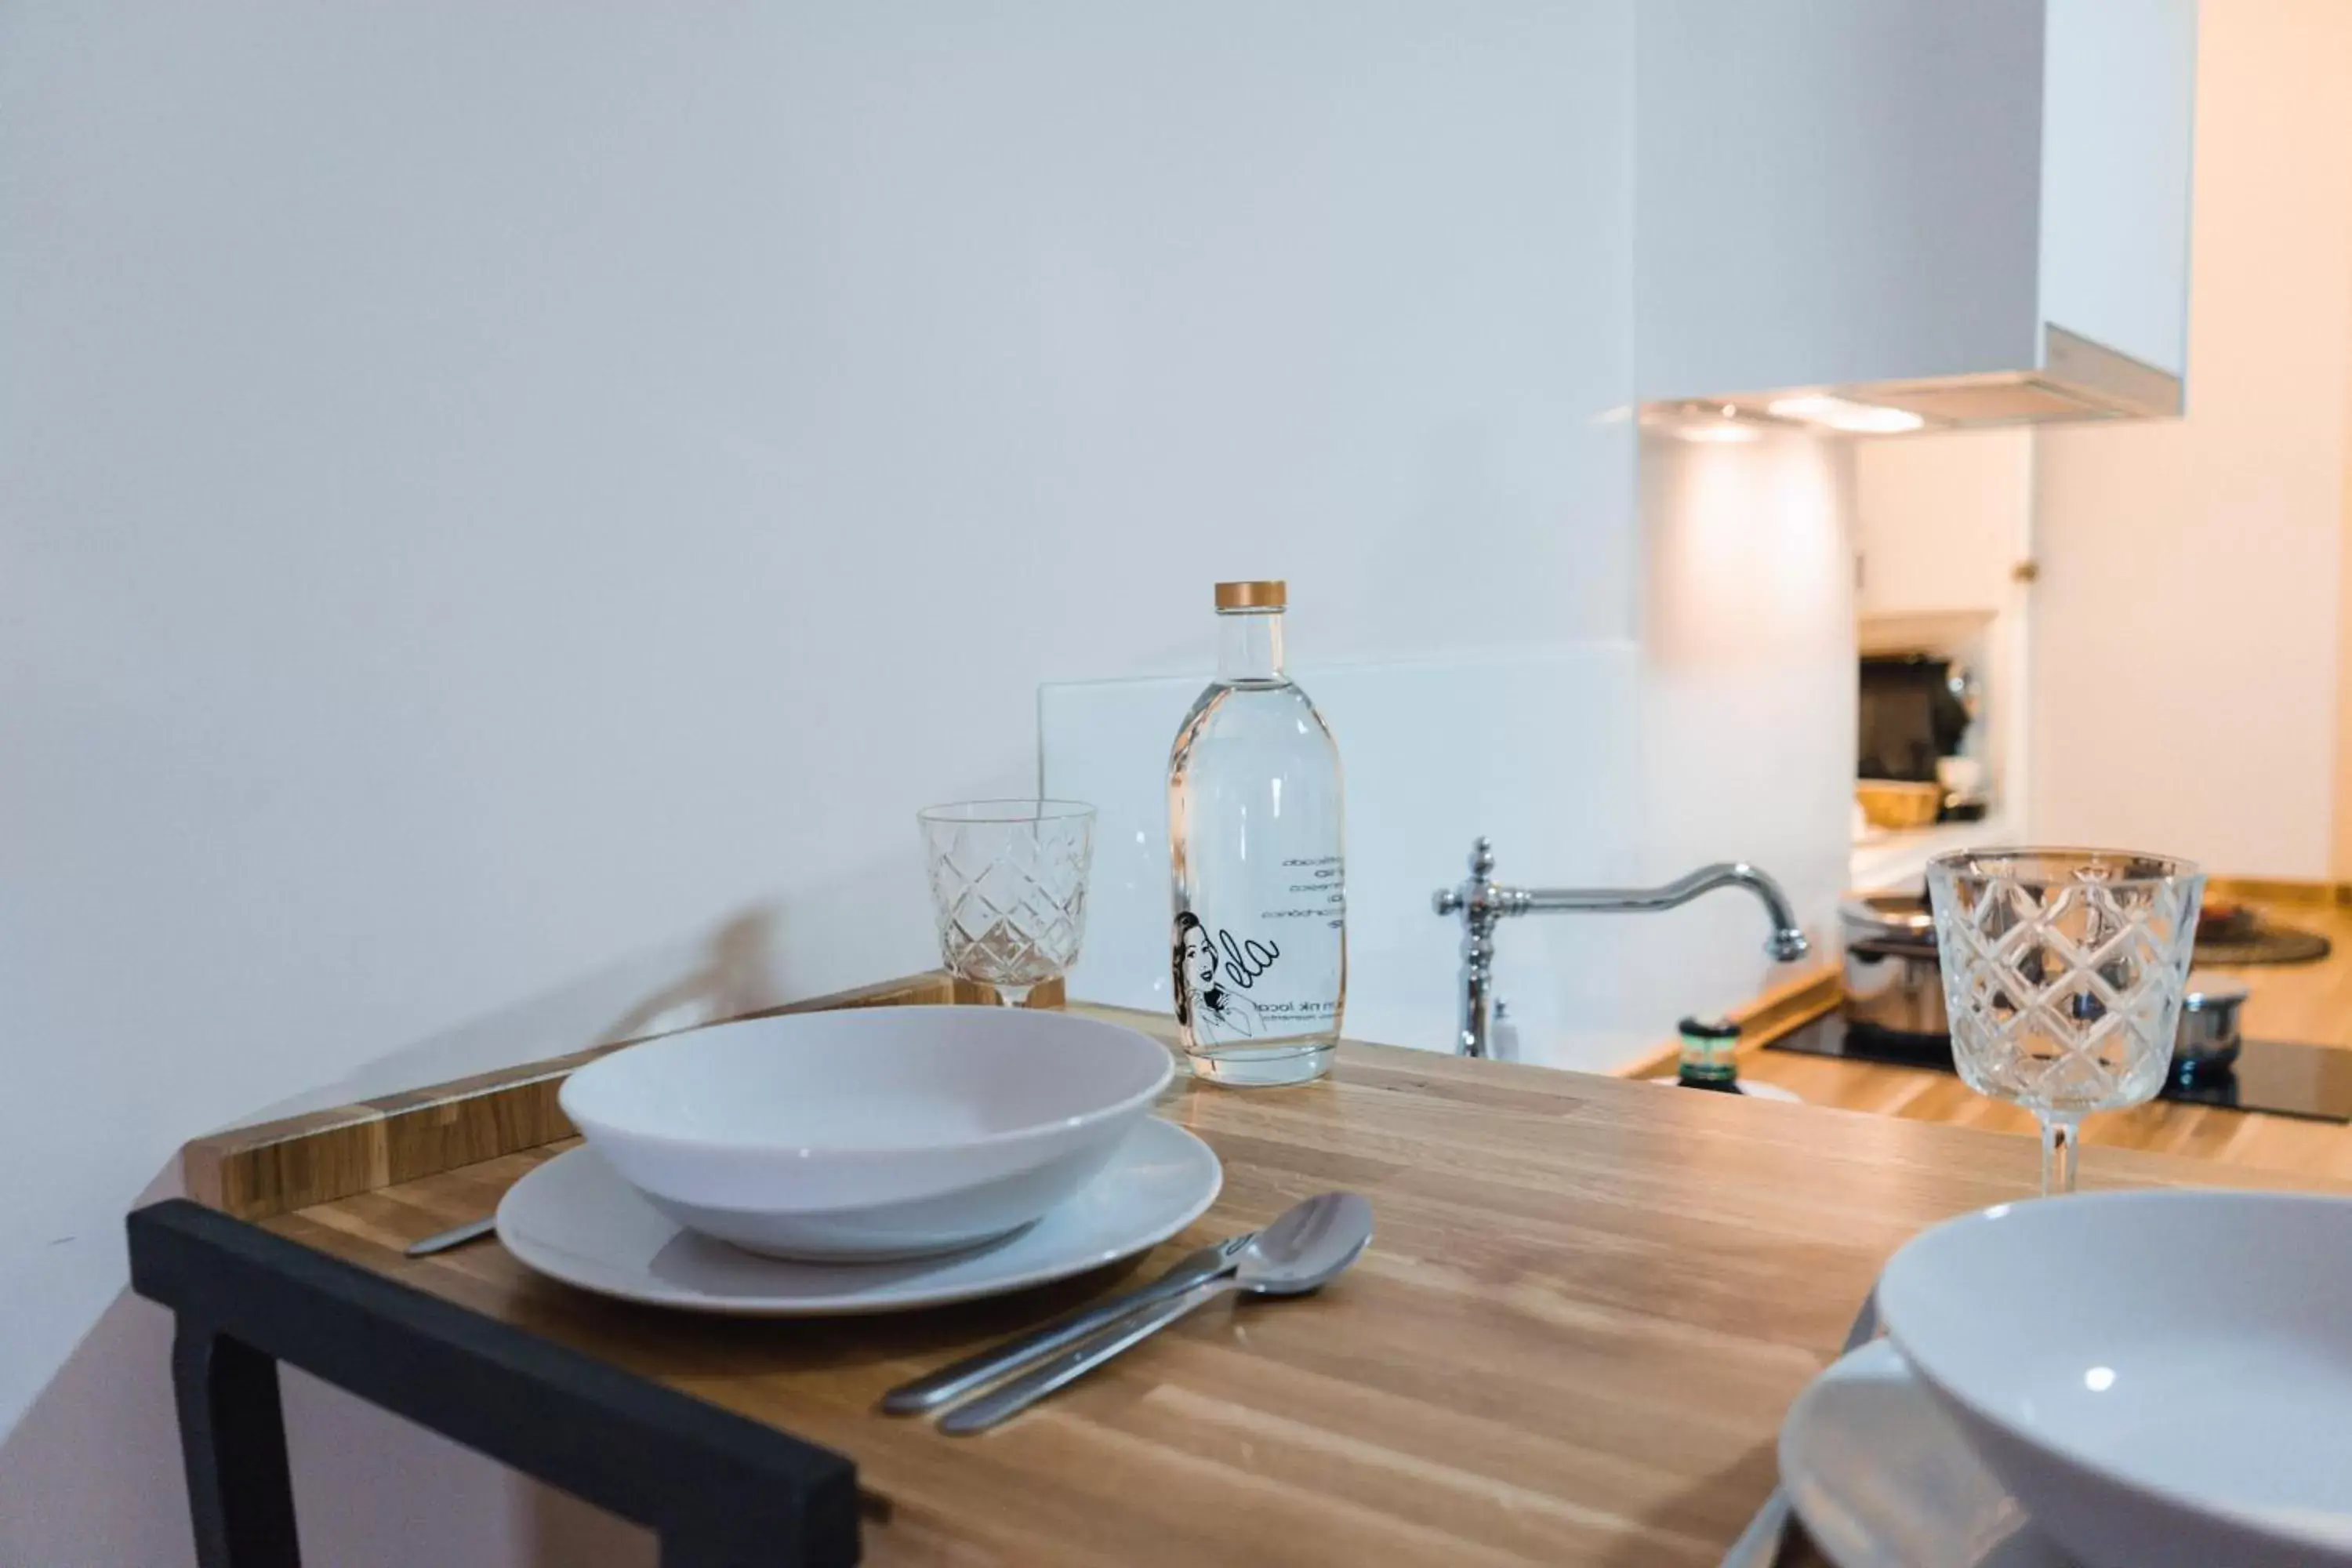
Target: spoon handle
1017, 1396
456, 1236
949, 1384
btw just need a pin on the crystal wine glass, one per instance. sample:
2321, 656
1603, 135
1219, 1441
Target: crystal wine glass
1009, 888
2062, 976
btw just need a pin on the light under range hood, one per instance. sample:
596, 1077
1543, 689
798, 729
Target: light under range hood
2077, 380
1874, 215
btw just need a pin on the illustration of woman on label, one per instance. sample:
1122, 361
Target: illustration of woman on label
1211, 1012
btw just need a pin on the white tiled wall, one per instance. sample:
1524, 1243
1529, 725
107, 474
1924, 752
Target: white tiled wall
1541, 752
1725, 734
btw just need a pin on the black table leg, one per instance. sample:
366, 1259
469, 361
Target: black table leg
233, 1438
678, 1551
719, 1491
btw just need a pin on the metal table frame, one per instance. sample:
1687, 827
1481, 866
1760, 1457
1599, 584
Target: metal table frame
718, 1489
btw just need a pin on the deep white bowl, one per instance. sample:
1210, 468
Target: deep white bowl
2162, 1378
871, 1132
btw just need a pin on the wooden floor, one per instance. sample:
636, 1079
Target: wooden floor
2306, 1002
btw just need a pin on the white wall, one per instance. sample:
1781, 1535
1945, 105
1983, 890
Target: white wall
2186, 657
1724, 732
1539, 750
2340, 863
489, 491
1748, 697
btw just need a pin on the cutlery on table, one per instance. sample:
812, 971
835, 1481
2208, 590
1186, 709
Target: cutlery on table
983, 1367
456, 1236
1308, 1245
1760, 1544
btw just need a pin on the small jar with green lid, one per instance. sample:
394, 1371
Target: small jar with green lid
1709, 1059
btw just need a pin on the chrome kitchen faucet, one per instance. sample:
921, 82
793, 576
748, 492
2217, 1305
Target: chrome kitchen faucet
1481, 902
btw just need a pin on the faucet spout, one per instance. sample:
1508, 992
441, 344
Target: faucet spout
1787, 943
1481, 902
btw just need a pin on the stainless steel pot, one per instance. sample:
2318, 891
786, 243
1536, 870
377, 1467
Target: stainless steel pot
1894, 982
2208, 1039
1892, 979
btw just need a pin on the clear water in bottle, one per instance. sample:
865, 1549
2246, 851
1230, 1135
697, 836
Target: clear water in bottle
1259, 944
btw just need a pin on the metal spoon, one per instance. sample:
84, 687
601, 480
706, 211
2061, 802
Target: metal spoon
1306, 1246
950, 1383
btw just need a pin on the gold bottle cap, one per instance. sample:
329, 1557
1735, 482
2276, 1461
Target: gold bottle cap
1266, 595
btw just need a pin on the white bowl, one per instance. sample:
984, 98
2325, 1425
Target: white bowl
871, 1132
2162, 1378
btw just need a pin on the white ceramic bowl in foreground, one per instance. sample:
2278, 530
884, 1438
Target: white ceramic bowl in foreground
871, 1132
2162, 1378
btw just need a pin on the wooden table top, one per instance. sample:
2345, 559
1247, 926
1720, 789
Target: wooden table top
1589, 1303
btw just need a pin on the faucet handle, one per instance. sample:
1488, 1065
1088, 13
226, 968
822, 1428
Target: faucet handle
1475, 894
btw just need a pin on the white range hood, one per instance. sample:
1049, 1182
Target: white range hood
1891, 214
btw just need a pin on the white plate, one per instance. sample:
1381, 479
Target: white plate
574, 1219
1882, 1479
2164, 1378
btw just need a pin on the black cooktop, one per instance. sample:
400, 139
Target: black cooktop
2278, 1077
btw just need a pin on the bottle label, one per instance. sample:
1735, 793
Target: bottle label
1709, 1060
1273, 974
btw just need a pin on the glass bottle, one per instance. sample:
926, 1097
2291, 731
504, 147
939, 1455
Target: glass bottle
1259, 945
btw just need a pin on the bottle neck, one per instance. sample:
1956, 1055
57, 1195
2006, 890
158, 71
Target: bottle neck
1249, 645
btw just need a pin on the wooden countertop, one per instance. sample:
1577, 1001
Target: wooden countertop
2309, 1002
2306, 1002
1588, 1305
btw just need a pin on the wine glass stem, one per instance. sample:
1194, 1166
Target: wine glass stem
2061, 1136
1014, 995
